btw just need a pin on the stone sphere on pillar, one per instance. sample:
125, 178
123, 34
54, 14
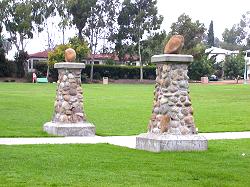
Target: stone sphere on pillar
174, 45
70, 55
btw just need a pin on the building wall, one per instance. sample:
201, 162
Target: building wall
96, 61
32, 61
218, 57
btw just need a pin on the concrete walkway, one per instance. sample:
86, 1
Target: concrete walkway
125, 141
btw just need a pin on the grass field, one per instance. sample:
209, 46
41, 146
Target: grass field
120, 109
106, 165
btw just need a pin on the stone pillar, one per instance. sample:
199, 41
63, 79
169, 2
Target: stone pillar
171, 126
69, 118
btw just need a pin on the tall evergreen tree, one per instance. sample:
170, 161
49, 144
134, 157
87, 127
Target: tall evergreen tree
210, 35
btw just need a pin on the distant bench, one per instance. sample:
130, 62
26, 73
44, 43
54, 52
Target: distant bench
42, 80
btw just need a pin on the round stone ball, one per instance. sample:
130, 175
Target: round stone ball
174, 45
70, 55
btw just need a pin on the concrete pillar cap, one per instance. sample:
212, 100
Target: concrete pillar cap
69, 65
171, 58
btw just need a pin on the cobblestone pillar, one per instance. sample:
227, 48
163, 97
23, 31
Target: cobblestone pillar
69, 118
172, 111
171, 126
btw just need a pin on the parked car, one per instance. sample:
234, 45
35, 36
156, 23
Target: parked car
213, 78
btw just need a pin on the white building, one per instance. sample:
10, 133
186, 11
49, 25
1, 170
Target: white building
247, 59
102, 59
219, 53
98, 59
35, 58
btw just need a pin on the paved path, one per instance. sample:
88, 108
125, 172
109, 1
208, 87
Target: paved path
126, 141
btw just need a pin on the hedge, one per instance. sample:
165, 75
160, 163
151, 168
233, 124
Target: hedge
7, 69
119, 72
110, 71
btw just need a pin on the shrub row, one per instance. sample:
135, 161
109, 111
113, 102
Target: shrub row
119, 72
100, 71
7, 69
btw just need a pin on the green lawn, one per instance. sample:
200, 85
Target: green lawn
106, 165
120, 109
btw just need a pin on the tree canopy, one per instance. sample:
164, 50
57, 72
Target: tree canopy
135, 19
81, 11
193, 32
80, 46
238, 37
234, 66
22, 18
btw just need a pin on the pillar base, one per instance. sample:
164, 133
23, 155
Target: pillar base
70, 129
167, 142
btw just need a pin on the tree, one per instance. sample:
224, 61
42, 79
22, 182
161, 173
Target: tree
216, 42
202, 65
100, 25
2, 56
81, 48
245, 24
81, 11
1, 46
20, 58
61, 7
210, 35
136, 18
233, 38
237, 37
57, 55
18, 22
234, 66
193, 32
153, 45
21, 19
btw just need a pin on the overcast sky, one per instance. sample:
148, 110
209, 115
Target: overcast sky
224, 14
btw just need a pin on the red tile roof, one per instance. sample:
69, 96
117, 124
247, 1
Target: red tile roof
113, 57
104, 56
42, 54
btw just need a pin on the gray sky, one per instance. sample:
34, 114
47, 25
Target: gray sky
224, 14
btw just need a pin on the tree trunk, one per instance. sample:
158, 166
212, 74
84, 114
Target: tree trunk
22, 42
80, 34
141, 70
139, 49
63, 32
92, 67
91, 48
139, 46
